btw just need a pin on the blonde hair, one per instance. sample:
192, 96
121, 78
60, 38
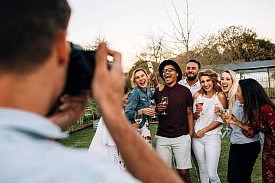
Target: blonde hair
133, 83
232, 91
213, 77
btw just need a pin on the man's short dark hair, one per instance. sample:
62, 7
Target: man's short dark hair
28, 30
195, 61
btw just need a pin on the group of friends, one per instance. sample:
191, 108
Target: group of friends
34, 59
188, 128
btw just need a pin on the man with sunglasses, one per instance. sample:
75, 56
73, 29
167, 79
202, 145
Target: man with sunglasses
193, 84
176, 127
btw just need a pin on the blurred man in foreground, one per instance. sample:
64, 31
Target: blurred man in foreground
34, 58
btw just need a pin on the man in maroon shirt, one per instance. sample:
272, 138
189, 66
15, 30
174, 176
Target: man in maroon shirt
176, 127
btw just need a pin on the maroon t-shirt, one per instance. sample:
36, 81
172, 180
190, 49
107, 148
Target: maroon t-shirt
175, 123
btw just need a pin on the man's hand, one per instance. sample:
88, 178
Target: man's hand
160, 87
71, 109
152, 76
161, 107
107, 84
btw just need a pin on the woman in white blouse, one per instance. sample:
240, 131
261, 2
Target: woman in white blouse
206, 142
103, 142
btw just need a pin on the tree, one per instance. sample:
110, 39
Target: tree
155, 49
168, 45
93, 46
234, 44
183, 27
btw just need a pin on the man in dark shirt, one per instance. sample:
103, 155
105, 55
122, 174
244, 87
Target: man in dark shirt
176, 127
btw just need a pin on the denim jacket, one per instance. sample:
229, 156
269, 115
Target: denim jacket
138, 99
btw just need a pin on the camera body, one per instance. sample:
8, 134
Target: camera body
80, 70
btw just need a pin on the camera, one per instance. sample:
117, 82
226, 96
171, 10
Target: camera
79, 73
80, 70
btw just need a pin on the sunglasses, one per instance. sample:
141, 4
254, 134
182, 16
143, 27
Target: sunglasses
168, 70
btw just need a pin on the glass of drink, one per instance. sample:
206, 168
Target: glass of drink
217, 109
164, 101
138, 119
153, 106
227, 117
199, 103
150, 67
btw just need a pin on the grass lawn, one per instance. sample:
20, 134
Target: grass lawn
83, 138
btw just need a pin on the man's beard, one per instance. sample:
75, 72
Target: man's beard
191, 78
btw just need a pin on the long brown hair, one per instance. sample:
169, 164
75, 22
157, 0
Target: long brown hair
213, 77
254, 98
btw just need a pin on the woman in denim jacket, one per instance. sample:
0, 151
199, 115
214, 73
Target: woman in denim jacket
138, 102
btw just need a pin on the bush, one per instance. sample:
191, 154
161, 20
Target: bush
91, 113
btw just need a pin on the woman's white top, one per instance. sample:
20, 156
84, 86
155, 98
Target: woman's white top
208, 115
103, 143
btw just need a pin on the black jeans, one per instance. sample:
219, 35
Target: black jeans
242, 158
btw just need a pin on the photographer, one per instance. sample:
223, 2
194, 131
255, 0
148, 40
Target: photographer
34, 59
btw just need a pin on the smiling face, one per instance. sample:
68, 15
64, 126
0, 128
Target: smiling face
239, 94
124, 100
206, 83
141, 79
170, 75
226, 82
192, 70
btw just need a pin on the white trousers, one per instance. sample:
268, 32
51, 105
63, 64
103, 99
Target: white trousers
207, 151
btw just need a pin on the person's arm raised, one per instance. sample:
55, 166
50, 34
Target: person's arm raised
107, 87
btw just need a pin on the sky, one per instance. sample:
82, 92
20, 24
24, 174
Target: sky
125, 24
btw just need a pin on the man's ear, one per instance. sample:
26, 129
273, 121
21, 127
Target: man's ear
63, 48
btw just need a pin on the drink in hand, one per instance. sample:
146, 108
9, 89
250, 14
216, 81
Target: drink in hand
164, 101
199, 104
138, 121
217, 109
153, 106
227, 117
150, 67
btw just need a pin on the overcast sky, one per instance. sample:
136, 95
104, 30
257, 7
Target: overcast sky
125, 23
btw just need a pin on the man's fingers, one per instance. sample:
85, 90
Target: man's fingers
101, 56
116, 65
74, 101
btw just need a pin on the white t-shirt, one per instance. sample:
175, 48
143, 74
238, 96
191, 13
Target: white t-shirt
208, 115
194, 88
